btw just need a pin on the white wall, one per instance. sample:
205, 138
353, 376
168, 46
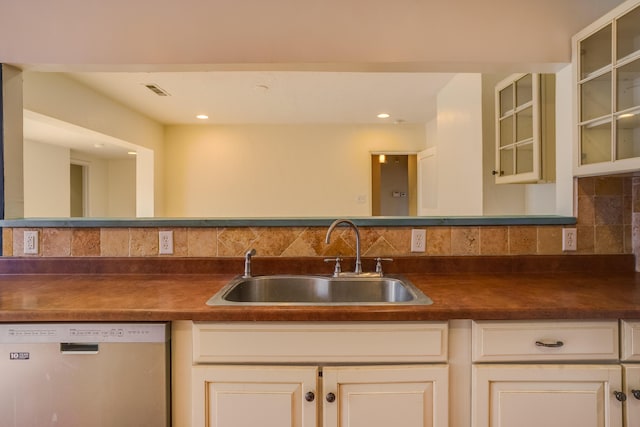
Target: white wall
98, 181
145, 176
431, 129
459, 145
12, 142
277, 170
112, 188
121, 192
564, 142
57, 96
46, 180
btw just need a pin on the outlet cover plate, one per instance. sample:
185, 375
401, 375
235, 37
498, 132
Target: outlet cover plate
418, 240
165, 242
30, 242
569, 239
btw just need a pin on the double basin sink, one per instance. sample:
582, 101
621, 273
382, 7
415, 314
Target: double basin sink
319, 290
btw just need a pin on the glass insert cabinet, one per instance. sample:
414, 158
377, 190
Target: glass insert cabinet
525, 129
606, 59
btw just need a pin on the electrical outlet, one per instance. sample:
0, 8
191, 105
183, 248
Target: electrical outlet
31, 242
166, 242
569, 239
418, 240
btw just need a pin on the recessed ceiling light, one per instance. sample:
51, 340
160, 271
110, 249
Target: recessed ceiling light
132, 153
383, 116
202, 117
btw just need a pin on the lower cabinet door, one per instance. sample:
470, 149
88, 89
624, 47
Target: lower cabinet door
250, 396
632, 390
546, 395
385, 396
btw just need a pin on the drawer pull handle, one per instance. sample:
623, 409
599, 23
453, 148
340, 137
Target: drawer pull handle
620, 396
309, 396
331, 397
556, 344
636, 394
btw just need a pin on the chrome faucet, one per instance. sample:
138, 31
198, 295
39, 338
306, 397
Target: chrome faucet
247, 262
358, 268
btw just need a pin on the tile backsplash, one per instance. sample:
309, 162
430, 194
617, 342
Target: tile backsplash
608, 209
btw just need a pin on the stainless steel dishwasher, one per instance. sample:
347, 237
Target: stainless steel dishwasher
84, 375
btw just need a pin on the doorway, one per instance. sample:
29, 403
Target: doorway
78, 188
393, 184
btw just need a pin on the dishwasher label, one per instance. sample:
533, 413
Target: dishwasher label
19, 355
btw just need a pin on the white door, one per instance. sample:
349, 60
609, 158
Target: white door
250, 396
385, 396
632, 391
427, 182
546, 395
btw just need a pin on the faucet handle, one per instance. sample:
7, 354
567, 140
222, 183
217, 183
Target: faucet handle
338, 268
247, 262
379, 264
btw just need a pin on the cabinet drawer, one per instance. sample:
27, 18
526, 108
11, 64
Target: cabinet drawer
287, 342
504, 341
630, 340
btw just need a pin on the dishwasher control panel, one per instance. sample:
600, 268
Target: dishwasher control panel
83, 332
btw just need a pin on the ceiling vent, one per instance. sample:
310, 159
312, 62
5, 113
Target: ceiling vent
157, 89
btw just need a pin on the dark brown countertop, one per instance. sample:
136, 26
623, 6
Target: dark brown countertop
593, 287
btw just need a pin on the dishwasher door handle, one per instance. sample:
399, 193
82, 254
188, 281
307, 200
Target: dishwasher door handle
79, 348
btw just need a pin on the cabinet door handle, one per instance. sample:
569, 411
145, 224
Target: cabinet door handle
636, 394
331, 397
620, 396
309, 396
556, 344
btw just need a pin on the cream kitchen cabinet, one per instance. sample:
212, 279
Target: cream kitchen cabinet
630, 333
320, 374
525, 129
606, 62
631, 375
247, 396
273, 396
555, 374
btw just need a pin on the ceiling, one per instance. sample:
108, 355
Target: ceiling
247, 97
274, 97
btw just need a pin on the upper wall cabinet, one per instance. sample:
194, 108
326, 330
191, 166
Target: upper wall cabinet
606, 58
525, 129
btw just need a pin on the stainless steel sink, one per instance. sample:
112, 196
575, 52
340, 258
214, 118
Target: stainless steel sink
319, 290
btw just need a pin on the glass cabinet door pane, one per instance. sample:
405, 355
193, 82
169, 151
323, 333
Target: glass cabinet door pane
506, 100
524, 124
595, 52
524, 158
628, 85
628, 136
595, 98
628, 33
506, 131
595, 143
506, 162
524, 90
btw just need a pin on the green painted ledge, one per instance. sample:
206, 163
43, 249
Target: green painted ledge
287, 222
